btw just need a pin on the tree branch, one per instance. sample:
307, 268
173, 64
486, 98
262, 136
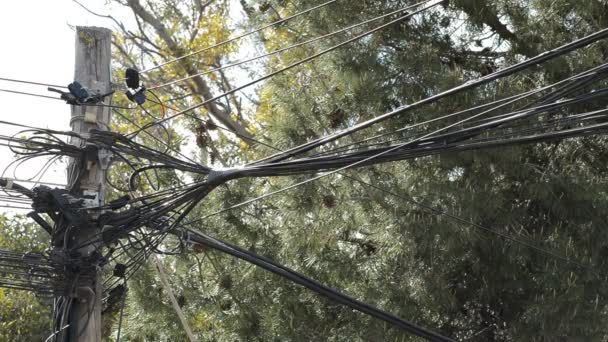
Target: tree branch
201, 86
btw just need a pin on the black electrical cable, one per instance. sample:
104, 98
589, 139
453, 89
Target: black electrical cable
543, 57
230, 40
122, 309
168, 211
313, 285
29, 94
585, 78
284, 49
30, 82
291, 66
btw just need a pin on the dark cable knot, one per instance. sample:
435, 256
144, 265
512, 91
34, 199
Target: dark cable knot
111, 234
47, 200
119, 202
89, 152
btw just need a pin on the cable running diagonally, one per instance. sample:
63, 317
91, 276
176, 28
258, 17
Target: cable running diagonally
284, 49
275, 23
291, 66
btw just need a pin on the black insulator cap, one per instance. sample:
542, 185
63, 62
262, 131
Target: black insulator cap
132, 78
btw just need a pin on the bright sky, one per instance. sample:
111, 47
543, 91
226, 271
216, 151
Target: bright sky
38, 45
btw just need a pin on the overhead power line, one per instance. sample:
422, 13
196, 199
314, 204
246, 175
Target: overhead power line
291, 66
314, 285
38, 182
57, 98
543, 57
293, 46
30, 94
228, 41
31, 82
138, 223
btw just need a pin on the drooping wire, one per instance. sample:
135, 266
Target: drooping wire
313, 285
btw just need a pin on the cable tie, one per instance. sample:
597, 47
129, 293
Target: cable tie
221, 175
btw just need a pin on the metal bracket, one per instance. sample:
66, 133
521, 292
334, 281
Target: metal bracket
105, 157
98, 87
90, 115
91, 202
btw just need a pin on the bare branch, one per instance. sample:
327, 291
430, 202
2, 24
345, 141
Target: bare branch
100, 15
202, 87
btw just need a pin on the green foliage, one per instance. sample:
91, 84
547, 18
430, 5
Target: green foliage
23, 316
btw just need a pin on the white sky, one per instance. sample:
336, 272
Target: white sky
38, 45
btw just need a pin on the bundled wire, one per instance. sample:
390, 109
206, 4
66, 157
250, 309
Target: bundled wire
31, 272
538, 123
542, 58
208, 241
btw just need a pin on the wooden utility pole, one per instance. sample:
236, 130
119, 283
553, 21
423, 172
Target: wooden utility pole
92, 71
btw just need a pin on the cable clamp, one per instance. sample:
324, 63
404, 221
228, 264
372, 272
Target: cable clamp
137, 95
90, 199
79, 95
